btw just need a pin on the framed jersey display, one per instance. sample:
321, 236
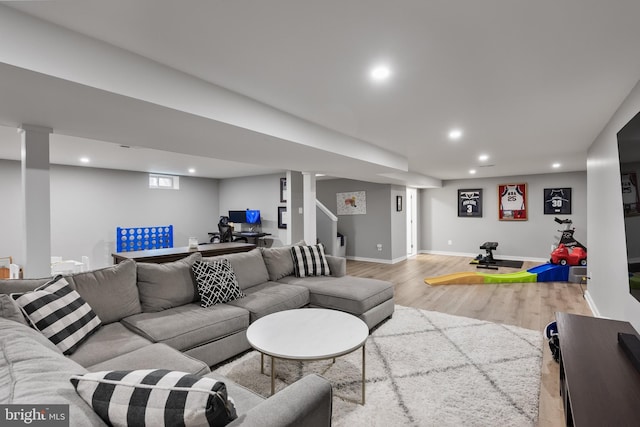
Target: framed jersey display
557, 201
512, 202
470, 203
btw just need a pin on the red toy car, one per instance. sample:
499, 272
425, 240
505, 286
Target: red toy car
562, 256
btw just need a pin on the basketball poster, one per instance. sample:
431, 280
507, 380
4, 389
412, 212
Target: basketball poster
557, 201
470, 203
512, 202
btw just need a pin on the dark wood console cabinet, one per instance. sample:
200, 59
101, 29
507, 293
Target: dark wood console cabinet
174, 254
598, 383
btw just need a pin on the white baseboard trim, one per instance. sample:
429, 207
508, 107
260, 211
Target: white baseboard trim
592, 304
473, 255
378, 260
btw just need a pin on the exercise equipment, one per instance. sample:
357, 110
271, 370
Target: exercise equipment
487, 261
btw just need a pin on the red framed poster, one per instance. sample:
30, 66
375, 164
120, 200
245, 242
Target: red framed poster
512, 202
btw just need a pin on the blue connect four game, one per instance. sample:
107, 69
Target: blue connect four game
142, 238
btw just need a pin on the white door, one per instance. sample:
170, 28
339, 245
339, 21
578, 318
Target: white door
412, 215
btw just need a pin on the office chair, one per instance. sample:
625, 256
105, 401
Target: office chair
225, 233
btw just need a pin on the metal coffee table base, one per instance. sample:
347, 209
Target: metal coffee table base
273, 369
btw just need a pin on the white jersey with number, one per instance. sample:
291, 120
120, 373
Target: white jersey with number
512, 199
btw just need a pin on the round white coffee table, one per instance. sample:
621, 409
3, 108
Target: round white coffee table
308, 334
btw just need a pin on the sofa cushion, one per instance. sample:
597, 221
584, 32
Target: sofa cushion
167, 285
243, 398
108, 342
271, 297
111, 291
249, 267
59, 313
157, 356
355, 295
309, 261
217, 282
10, 286
278, 261
32, 370
10, 310
155, 397
189, 325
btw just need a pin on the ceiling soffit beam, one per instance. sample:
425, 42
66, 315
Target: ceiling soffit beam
49, 49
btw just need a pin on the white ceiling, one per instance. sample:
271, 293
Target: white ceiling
530, 83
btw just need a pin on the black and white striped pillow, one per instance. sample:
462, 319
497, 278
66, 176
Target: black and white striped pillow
309, 261
155, 397
59, 313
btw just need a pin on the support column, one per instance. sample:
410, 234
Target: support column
309, 205
36, 224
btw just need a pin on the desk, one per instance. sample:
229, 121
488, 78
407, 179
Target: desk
598, 383
174, 254
252, 235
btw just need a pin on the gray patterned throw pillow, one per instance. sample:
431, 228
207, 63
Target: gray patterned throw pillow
216, 281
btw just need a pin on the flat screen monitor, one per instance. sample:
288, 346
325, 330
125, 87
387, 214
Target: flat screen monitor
253, 216
237, 216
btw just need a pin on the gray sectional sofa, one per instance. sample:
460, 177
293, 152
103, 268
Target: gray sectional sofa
152, 319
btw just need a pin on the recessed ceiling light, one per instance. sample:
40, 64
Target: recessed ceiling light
84, 159
321, 174
556, 165
192, 170
380, 73
483, 157
472, 171
455, 134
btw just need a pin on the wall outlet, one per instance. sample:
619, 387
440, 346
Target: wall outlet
450, 242
379, 246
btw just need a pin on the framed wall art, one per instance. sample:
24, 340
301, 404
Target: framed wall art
282, 217
557, 201
630, 196
512, 202
470, 203
352, 203
398, 203
283, 190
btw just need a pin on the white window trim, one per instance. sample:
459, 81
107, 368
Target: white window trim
171, 182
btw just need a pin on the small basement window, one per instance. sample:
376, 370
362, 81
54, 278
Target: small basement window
164, 182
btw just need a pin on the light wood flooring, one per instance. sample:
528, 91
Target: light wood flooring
528, 305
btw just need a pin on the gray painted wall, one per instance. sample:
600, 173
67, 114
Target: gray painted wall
87, 204
398, 224
295, 228
11, 221
608, 287
364, 232
255, 192
439, 221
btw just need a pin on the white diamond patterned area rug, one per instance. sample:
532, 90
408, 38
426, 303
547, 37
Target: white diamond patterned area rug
423, 368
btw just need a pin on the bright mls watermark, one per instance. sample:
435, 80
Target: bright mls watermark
34, 415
